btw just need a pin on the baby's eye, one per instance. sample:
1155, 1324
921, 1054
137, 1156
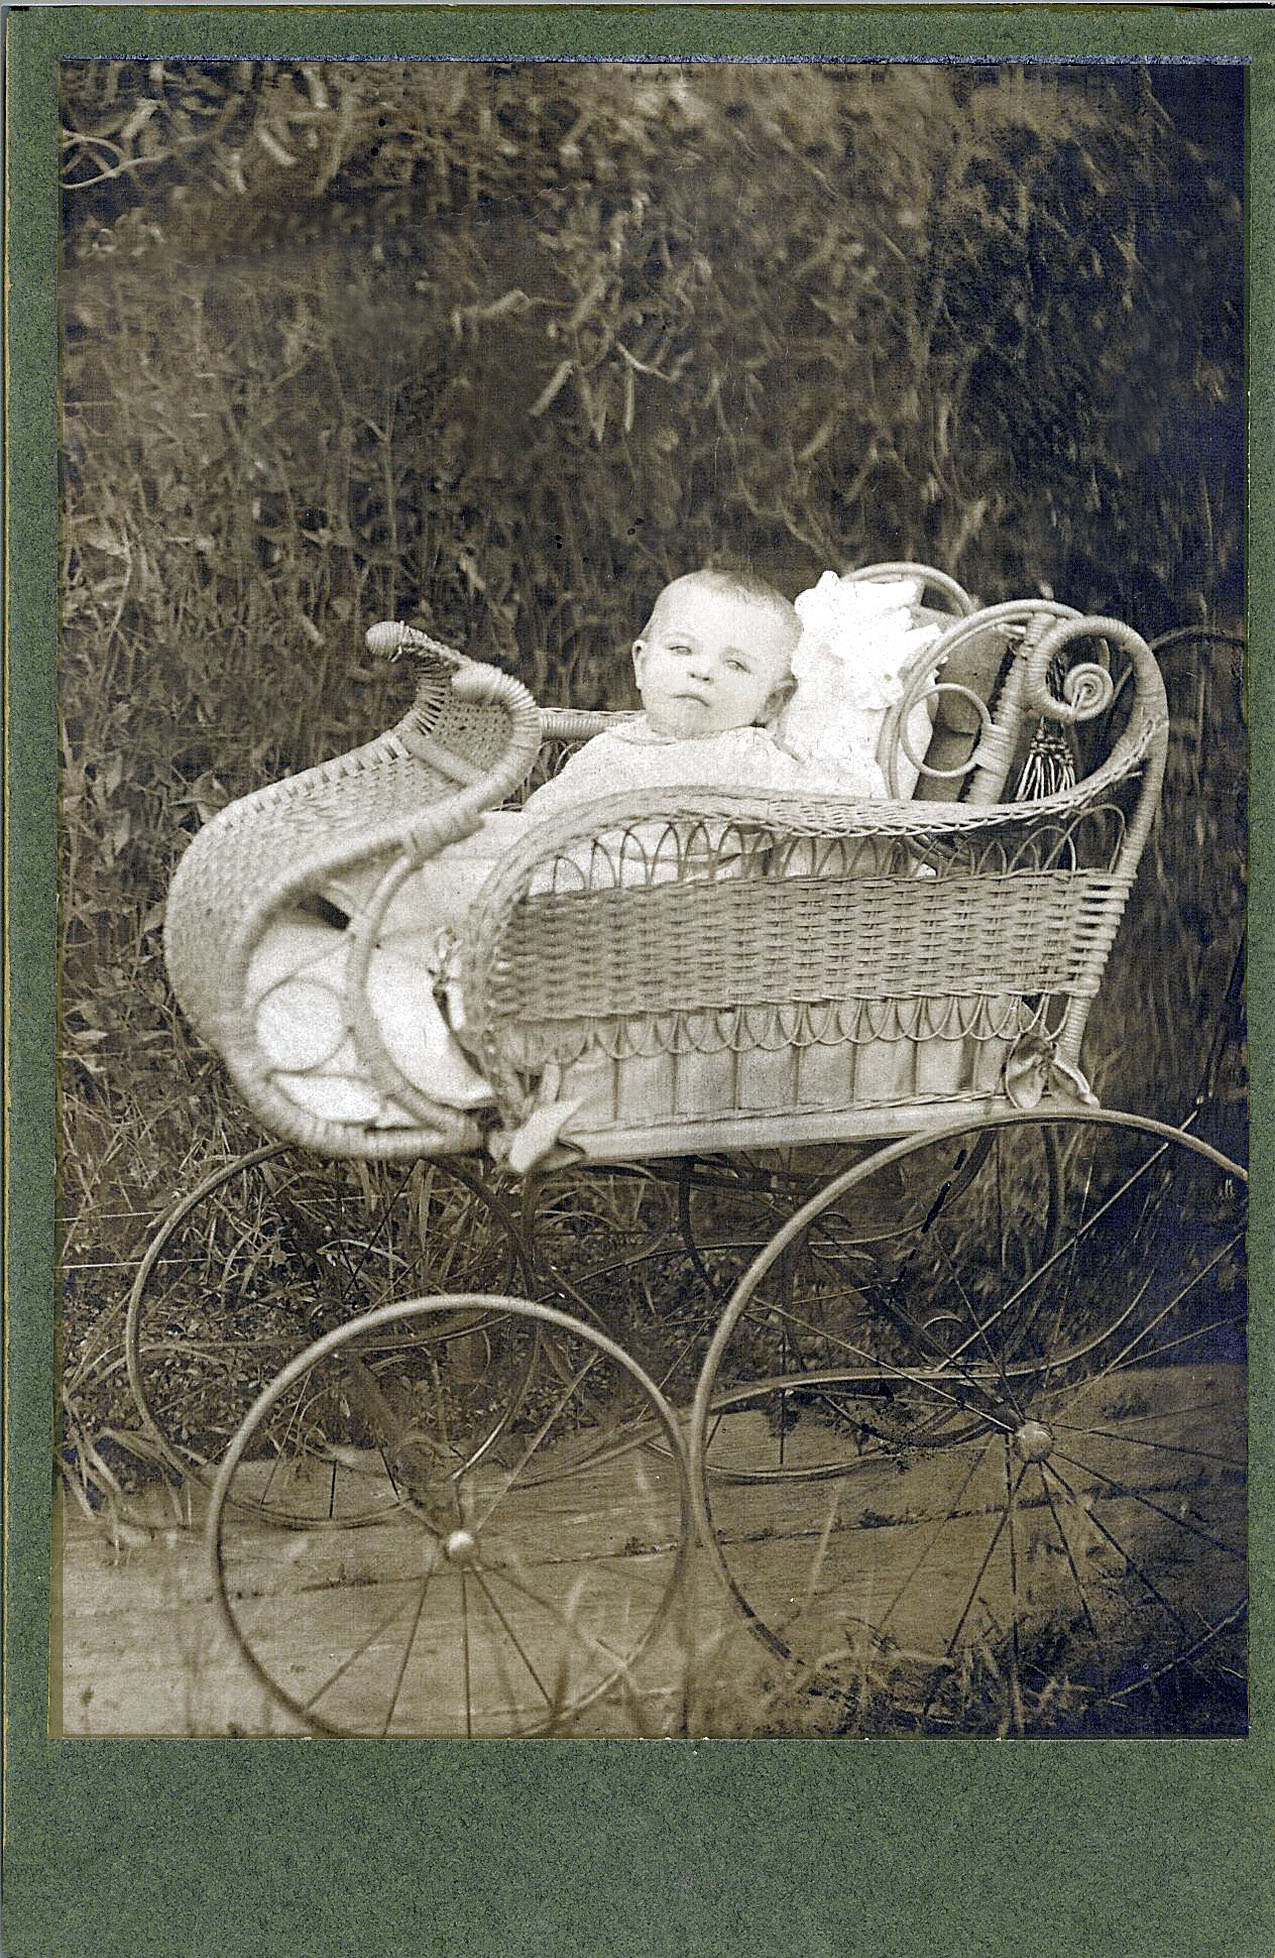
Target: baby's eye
736, 666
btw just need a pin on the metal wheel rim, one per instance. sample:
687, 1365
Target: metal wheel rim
544, 1318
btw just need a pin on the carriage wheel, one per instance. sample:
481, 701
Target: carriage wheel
792, 1332
275, 1248
1038, 1522
515, 1577
653, 1255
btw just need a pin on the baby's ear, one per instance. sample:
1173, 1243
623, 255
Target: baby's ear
778, 699
639, 647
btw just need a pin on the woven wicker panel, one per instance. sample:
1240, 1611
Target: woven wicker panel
248, 850
684, 947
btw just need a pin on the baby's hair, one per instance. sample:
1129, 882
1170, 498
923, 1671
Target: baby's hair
733, 578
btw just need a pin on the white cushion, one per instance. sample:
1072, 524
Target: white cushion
859, 642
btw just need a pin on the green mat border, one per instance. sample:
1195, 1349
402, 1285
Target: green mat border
212, 1849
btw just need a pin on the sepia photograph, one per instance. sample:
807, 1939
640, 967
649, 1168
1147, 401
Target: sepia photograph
652, 1072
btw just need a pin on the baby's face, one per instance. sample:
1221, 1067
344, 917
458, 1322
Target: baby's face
712, 659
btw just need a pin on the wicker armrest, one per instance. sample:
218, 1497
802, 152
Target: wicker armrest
469, 738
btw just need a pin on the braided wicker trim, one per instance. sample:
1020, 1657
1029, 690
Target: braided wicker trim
778, 1029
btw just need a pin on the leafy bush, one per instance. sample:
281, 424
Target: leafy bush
512, 345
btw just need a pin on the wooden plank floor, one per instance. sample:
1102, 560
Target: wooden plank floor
143, 1650
917, 1545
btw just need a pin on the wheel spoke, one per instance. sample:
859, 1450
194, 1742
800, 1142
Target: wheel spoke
939, 1527
1068, 1280
354, 1268
1129, 1562
366, 1644
465, 1635
589, 1640
1161, 1447
285, 1441
1082, 1232
1072, 1566
980, 1332
821, 1552
1232, 1323
401, 1675
1178, 1520
1015, 1683
514, 1474
1179, 1412
1001, 1522
1172, 1306
513, 1638
915, 1376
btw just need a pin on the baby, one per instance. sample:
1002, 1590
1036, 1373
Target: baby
713, 666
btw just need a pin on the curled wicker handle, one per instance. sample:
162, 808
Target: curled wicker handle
472, 681
472, 685
1085, 689
486, 686
390, 640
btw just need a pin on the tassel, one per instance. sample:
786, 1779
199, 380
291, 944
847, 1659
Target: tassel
1050, 767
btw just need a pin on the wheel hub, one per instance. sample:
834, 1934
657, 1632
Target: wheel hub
460, 1547
1034, 1441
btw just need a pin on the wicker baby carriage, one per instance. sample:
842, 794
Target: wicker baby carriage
790, 969
730, 997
